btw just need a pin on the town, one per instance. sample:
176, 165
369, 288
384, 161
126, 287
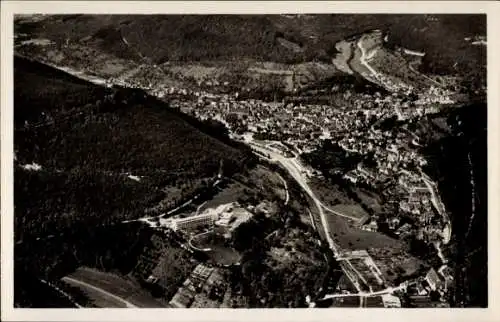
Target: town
302, 127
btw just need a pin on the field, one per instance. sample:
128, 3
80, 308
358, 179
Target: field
349, 237
390, 255
357, 66
260, 183
337, 199
111, 290
329, 194
341, 59
219, 252
391, 63
394, 263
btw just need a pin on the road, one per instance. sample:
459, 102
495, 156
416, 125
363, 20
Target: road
410, 66
196, 248
295, 170
100, 290
438, 204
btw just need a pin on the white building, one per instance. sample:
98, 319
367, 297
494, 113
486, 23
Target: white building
194, 221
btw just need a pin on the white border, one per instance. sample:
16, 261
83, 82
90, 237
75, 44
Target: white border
8, 8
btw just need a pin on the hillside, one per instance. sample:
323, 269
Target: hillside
73, 138
458, 161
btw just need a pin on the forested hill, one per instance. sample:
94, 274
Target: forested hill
88, 140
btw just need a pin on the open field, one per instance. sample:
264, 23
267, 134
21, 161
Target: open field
394, 263
357, 66
370, 199
260, 183
98, 284
341, 59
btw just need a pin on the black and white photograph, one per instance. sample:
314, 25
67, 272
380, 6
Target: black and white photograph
250, 161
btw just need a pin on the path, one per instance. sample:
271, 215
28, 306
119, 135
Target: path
339, 213
363, 61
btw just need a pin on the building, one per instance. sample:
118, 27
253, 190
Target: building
194, 221
433, 279
200, 274
364, 220
371, 226
391, 301
184, 296
421, 290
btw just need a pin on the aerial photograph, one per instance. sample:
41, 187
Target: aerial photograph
250, 161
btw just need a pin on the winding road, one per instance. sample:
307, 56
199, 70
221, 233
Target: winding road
60, 291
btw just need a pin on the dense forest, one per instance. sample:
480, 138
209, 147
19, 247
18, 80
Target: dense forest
459, 164
87, 141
